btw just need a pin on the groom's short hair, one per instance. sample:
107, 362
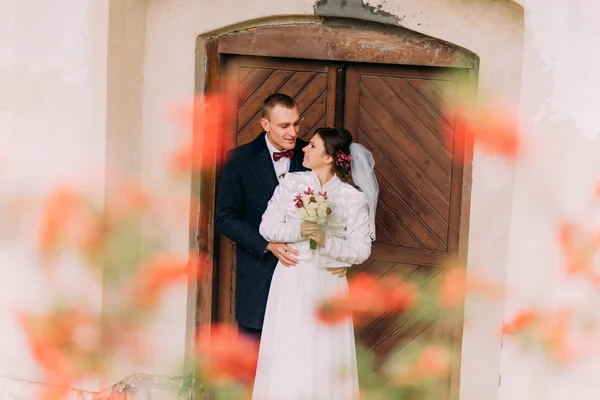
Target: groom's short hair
277, 99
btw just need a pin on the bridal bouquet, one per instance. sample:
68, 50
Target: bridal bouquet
313, 207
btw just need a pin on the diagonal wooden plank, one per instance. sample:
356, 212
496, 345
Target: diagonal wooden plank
392, 331
442, 113
252, 83
311, 132
380, 329
436, 99
304, 87
400, 137
362, 267
297, 83
405, 271
251, 108
399, 339
418, 207
312, 92
391, 104
243, 73
396, 227
313, 116
383, 235
438, 193
387, 333
410, 220
428, 117
447, 89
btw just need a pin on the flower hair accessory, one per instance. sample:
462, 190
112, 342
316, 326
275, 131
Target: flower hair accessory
342, 159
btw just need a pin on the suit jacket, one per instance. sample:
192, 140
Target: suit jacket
247, 184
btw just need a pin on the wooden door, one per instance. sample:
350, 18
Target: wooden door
397, 113
311, 84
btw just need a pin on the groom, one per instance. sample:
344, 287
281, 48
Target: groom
249, 177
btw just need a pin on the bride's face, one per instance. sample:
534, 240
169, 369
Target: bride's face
315, 157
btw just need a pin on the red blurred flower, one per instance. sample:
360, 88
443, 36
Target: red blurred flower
455, 285
226, 356
69, 218
494, 127
578, 250
520, 321
368, 298
207, 117
433, 362
453, 288
556, 332
58, 212
66, 345
127, 200
155, 275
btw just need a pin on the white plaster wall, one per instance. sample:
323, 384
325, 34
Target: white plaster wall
492, 29
53, 61
554, 182
52, 131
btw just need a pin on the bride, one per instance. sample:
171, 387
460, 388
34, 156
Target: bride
300, 357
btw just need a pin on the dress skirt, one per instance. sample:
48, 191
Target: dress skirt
301, 357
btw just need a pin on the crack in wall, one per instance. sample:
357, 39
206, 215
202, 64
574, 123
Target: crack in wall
355, 9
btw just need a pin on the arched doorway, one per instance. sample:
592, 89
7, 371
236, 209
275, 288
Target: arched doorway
389, 87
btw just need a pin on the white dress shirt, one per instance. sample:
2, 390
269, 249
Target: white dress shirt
283, 165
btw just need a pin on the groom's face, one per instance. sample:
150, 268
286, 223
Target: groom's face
282, 126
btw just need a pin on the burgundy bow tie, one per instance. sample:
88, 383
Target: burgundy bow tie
277, 155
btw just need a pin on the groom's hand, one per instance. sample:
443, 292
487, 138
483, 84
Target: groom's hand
284, 253
341, 272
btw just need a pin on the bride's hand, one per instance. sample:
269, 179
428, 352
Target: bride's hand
318, 236
308, 228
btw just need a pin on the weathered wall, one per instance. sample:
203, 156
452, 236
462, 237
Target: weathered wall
85, 87
88, 84
491, 29
52, 131
124, 129
554, 182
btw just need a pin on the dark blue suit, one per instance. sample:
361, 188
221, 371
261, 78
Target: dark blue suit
248, 181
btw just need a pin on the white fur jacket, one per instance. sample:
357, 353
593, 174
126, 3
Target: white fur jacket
348, 232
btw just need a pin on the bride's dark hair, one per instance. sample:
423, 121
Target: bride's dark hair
337, 143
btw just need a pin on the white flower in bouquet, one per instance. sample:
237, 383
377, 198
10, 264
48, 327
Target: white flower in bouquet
313, 207
303, 213
323, 211
312, 214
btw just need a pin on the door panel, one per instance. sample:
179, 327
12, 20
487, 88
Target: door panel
398, 114
311, 84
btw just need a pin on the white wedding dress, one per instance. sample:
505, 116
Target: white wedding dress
300, 357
